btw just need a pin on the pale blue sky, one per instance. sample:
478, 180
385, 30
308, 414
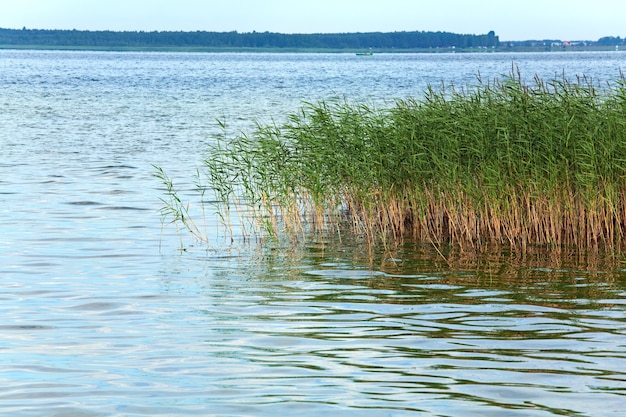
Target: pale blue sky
511, 20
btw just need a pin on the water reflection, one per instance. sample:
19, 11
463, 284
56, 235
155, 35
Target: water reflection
317, 331
325, 335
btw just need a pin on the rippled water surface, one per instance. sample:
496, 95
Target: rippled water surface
102, 314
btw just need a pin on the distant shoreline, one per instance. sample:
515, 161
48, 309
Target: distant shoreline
199, 49
358, 42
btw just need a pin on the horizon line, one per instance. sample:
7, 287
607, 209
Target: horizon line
302, 33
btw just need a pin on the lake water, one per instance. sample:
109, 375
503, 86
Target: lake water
102, 314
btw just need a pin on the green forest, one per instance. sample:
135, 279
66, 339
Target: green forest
235, 40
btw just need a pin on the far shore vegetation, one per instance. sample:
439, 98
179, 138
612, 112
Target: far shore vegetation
203, 41
199, 49
501, 164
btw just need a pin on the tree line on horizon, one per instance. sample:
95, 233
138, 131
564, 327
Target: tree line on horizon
604, 41
203, 39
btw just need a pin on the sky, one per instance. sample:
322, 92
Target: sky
511, 20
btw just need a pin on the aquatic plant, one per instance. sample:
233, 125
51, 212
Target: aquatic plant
504, 162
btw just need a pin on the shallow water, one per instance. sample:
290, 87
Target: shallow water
103, 315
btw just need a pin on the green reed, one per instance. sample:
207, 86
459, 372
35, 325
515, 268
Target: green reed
500, 163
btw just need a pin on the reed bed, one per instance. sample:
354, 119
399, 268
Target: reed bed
503, 163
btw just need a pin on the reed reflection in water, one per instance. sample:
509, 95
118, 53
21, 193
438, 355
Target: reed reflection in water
317, 332
325, 335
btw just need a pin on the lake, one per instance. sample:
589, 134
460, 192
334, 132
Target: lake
108, 312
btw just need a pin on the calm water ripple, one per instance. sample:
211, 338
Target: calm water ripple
104, 315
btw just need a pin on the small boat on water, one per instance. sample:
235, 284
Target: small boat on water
368, 53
